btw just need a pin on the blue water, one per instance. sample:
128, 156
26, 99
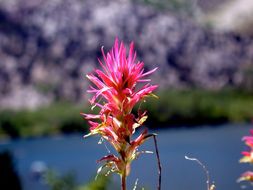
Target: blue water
218, 148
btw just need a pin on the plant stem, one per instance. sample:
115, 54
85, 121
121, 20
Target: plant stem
123, 180
159, 164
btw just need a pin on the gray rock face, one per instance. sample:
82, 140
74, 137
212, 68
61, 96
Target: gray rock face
48, 46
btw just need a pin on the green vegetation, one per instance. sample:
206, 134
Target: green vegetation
56, 182
182, 7
68, 182
101, 183
173, 108
197, 107
54, 119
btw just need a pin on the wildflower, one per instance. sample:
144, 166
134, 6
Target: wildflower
249, 140
116, 90
247, 158
248, 155
246, 176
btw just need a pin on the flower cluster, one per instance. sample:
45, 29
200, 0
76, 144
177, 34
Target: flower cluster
247, 158
116, 91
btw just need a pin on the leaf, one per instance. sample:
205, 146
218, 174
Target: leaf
135, 184
99, 170
153, 96
143, 119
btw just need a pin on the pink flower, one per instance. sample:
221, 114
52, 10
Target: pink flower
248, 155
246, 176
116, 90
249, 140
117, 80
247, 158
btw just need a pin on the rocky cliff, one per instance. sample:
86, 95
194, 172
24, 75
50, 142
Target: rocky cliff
47, 47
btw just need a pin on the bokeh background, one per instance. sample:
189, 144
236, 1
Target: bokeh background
204, 53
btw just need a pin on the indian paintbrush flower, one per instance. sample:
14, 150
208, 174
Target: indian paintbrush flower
246, 176
116, 90
247, 158
248, 155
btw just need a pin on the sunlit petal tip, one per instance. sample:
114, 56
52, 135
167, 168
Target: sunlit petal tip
149, 72
89, 134
88, 76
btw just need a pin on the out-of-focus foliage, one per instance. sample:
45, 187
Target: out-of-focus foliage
174, 107
65, 182
101, 183
247, 83
68, 182
196, 107
182, 7
53, 119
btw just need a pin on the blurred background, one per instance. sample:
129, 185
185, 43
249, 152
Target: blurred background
204, 53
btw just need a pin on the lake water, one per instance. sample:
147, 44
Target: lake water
218, 148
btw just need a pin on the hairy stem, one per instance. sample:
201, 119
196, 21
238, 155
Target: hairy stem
158, 163
123, 180
212, 187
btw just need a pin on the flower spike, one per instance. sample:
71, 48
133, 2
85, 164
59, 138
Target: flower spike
115, 84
